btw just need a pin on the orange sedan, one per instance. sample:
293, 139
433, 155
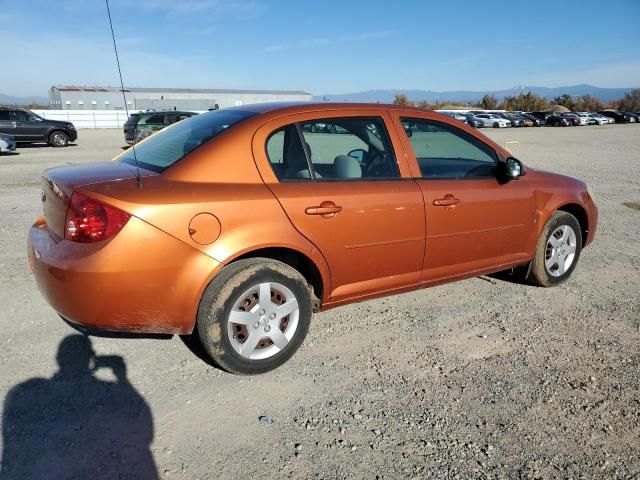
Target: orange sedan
240, 223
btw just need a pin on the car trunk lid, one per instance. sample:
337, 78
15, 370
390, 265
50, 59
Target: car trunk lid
58, 184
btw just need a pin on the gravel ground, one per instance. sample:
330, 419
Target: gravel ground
477, 379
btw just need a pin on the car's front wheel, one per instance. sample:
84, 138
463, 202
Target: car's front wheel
557, 251
58, 139
254, 315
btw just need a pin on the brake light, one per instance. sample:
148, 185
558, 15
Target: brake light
89, 220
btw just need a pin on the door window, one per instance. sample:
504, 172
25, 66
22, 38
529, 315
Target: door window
446, 152
333, 149
20, 116
155, 120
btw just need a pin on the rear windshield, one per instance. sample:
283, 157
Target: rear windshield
166, 147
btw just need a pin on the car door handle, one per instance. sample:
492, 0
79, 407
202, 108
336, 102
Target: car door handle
447, 201
325, 209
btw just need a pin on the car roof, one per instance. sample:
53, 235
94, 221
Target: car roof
299, 107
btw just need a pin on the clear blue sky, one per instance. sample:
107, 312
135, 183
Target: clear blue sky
321, 46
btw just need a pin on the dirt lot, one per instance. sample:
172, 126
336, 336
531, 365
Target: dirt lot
477, 379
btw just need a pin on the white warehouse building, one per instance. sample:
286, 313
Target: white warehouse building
110, 98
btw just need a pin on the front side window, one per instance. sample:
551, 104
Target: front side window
169, 145
446, 152
333, 149
20, 116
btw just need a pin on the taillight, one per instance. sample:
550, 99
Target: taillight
89, 220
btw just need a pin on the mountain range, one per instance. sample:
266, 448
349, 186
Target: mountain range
9, 100
387, 96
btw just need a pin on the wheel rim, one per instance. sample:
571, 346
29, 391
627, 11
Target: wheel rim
58, 139
560, 251
263, 320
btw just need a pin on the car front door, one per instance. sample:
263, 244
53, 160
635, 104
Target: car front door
474, 223
29, 127
350, 194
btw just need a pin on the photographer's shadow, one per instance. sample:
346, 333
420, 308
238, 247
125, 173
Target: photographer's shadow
75, 425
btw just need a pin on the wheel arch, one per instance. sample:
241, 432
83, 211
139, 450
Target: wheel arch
297, 260
580, 213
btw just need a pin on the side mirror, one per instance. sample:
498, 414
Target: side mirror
358, 154
513, 168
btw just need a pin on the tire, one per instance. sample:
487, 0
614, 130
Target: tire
555, 260
496, 125
58, 138
239, 286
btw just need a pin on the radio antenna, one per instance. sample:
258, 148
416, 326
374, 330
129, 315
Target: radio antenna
124, 97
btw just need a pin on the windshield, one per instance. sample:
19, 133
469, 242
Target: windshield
166, 147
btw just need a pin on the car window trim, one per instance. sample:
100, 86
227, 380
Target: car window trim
312, 171
489, 147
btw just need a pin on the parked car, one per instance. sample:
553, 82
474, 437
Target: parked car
7, 143
472, 120
515, 120
493, 120
246, 225
587, 119
27, 127
635, 118
526, 121
143, 124
543, 116
598, 119
556, 120
618, 117
537, 122
575, 120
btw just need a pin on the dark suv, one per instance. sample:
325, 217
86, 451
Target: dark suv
27, 127
140, 125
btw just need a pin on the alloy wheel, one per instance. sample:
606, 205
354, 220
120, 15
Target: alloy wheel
560, 251
263, 321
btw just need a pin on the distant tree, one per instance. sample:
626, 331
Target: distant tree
424, 105
525, 102
631, 101
489, 102
588, 103
615, 104
564, 100
403, 101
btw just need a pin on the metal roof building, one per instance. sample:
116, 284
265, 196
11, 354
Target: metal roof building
72, 97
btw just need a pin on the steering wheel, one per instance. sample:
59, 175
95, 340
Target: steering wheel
377, 166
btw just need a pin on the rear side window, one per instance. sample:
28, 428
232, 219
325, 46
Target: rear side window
134, 118
446, 152
4, 115
333, 149
169, 145
155, 120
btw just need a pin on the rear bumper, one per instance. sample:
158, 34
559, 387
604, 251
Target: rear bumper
142, 280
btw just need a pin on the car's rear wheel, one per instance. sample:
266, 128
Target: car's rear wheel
557, 251
254, 315
58, 139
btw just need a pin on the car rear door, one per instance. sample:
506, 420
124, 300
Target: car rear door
474, 223
7, 123
349, 191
